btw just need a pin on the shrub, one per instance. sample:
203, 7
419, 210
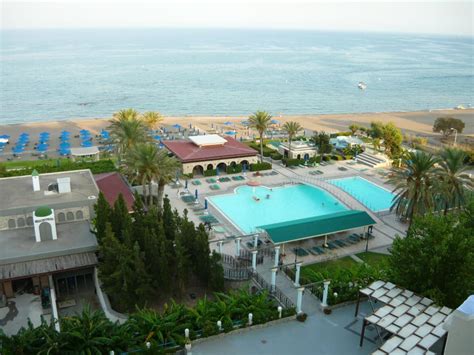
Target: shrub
293, 162
210, 172
349, 157
337, 157
234, 169
302, 317
260, 166
189, 176
326, 158
96, 167
276, 156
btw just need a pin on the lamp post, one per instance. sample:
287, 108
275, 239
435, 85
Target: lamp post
455, 135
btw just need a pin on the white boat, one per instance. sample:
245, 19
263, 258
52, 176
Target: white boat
362, 85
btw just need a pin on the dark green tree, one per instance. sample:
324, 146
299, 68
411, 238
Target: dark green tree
169, 222
448, 125
120, 219
436, 259
216, 272
201, 254
102, 215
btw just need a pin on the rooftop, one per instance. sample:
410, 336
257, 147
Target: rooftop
208, 140
299, 145
188, 151
112, 185
16, 193
19, 245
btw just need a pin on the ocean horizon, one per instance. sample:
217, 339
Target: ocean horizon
68, 74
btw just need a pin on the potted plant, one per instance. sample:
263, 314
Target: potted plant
327, 310
301, 317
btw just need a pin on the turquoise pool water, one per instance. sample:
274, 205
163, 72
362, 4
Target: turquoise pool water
370, 195
284, 204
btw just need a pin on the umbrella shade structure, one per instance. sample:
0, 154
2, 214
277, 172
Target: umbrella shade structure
157, 137
228, 123
84, 131
105, 134
64, 145
275, 122
43, 134
64, 151
24, 134
3, 140
18, 150
177, 126
42, 147
5, 136
231, 133
245, 122
86, 144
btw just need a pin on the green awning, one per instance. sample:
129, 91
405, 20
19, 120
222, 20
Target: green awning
310, 227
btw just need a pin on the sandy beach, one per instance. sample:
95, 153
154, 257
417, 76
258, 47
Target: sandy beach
418, 122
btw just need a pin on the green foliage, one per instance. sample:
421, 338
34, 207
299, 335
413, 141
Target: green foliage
447, 125
321, 140
337, 157
260, 121
436, 258
266, 150
293, 162
210, 172
354, 128
234, 169
276, 156
260, 166
102, 216
96, 167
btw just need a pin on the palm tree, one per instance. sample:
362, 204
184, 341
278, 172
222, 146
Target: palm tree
260, 121
143, 166
167, 169
413, 185
152, 119
127, 130
453, 178
292, 128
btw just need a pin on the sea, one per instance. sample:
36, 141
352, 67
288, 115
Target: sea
69, 74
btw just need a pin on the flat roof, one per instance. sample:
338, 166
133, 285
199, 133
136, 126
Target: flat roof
84, 151
17, 192
188, 152
310, 227
19, 245
208, 139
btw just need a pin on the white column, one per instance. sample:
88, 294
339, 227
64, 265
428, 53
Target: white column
219, 246
324, 303
299, 300
297, 276
255, 242
237, 251
277, 255
274, 277
254, 260
54, 306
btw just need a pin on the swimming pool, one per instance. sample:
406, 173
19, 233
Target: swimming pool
283, 204
372, 196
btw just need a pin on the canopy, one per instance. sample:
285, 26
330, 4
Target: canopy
228, 123
310, 227
84, 151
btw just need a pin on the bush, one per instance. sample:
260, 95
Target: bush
326, 158
293, 162
260, 166
234, 169
337, 157
276, 156
315, 159
349, 157
210, 172
301, 317
96, 167
266, 150
189, 176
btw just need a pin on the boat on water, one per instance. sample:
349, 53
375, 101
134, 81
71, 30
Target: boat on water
362, 85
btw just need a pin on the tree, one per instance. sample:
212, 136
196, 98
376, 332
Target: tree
292, 128
126, 130
436, 259
102, 215
354, 128
413, 185
152, 119
216, 273
260, 121
167, 170
446, 126
120, 219
393, 138
321, 140
376, 129
376, 143
454, 179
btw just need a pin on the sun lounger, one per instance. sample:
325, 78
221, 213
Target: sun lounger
341, 243
220, 229
209, 219
300, 251
211, 181
196, 182
188, 198
215, 187
318, 250
332, 246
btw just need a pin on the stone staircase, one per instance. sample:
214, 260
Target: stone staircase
372, 160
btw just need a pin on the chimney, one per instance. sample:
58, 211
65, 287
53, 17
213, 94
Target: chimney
64, 185
36, 180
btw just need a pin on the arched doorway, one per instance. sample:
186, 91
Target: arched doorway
79, 214
306, 156
245, 165
70, 216
210, 167
298, 156
221, 167
61, 217
45, 231
198, 170
233, 164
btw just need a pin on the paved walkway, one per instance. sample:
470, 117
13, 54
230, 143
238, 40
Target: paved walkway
334, 334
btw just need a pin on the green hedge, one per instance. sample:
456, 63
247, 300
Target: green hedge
234, 169
96, 167
293, 162
266, 151
210, 172
260, 166
337, 157
326, 158
276, 156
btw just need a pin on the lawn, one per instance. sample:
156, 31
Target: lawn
330, 266
373, 259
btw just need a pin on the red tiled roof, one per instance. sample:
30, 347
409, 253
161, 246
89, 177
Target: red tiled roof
188, 152
112, 185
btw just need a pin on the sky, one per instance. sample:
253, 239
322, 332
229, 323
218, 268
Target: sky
437, 17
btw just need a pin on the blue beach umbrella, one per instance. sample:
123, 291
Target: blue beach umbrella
86, 144
64, 145
275, 122
228, 123
64, 151
18, 150
177, 126
231, 133
24, 134
42, 148
84, 131
157, 137
105, 134
44, 134
5, 136
245, 122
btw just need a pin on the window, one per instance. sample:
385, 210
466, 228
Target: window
11, 223
70, 216
29, 221
61, 217
79, 215
20, 222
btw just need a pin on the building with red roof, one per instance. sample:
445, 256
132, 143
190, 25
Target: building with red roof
210, 151
112, 185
